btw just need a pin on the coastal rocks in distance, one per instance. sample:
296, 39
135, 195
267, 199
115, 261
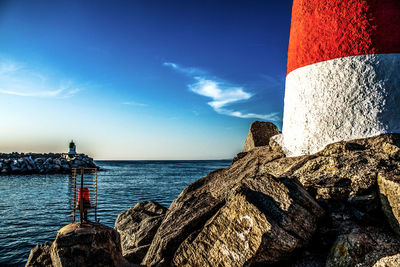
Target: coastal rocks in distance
20, 163
89, 244
137, 227
259, 134
247, 214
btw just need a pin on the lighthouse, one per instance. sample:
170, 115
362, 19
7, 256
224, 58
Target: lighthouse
343, 73
72, 149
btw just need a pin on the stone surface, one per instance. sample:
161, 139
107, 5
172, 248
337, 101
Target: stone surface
259, 134
89, 244
40, 256
137, 227
207, 222
389, 261
389, 189
222, 199
262, 222
363, 247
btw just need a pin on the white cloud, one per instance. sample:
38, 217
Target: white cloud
20, 80
221, 93
133, 103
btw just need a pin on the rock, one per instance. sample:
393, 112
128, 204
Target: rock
389, 189
89, 244
363, 247
263, 221
259, 134
137, 227
239, 156
209, 202
389, 261
40, 256
136, 254
344, 169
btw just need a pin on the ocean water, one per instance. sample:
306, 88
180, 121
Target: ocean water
34, 207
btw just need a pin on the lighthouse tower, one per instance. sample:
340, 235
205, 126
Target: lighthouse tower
72, 149
343, 73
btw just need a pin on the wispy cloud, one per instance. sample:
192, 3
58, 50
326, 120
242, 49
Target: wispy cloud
222, 94
134, 103
188, 71
20, 80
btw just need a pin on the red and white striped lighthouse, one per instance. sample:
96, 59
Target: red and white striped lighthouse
343, 73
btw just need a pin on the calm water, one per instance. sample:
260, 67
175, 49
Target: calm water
33, 208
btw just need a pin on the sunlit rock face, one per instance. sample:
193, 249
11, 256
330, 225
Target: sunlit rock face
343, 73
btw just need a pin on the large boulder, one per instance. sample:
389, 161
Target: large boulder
137, 227
224, 203
89, 244
259, 134
262, 222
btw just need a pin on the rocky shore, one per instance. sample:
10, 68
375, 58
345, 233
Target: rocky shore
50, 163
337, 207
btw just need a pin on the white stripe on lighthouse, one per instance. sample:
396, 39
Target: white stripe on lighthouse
340, 99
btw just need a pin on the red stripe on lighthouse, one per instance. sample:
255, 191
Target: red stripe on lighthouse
326, 29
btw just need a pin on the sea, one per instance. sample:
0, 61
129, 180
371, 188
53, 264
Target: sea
34, 207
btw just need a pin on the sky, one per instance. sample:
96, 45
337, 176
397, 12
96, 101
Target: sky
140, 79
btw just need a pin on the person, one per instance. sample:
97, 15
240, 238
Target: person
84, 196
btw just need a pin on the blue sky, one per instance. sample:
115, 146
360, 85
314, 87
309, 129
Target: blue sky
150, 79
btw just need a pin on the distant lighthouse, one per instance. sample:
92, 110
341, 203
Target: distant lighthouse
72, 148
343, 73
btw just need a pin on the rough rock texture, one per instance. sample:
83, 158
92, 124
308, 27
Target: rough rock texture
389, 261
40, 256
207, 203
363, 247
389, 189
227, 217
87, 245
262, 221
137, 227
259, 134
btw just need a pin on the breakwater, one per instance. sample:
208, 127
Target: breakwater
46, 163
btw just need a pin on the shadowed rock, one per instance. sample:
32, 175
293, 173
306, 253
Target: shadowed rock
137, 227
389, 189
40, 256
363, 247
89, 244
